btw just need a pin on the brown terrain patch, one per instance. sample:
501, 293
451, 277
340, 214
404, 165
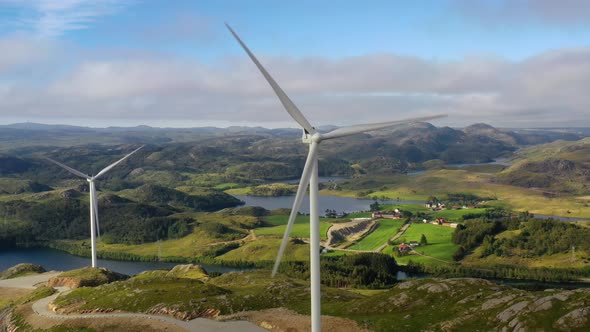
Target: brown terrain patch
103, 324
11, 294
284, 320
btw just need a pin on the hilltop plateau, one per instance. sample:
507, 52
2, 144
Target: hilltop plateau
282, 303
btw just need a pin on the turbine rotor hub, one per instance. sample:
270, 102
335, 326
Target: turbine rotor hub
308, 138
316, 138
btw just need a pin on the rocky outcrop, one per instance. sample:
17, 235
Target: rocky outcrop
20, 269
85, 277
69, 282
574, 320
470, 302
7, 322
189, 271
70, 193
161, 309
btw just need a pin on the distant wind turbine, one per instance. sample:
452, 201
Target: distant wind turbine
93, 198
310, 176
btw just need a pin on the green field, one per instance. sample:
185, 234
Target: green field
455, 215
439, 243
266, 249
386, 229
299, 230
359, 215
188, 246
441, 182
413, 208
282, 220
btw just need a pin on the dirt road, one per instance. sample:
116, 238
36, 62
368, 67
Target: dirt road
40, 308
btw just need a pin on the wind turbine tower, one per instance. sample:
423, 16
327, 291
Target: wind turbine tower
94, 225
310, 176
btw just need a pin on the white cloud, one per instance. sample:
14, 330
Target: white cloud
545, 90
52, 18
21, 50
555, 12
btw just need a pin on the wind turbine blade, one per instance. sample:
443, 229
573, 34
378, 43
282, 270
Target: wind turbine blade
108, 168
94, 202
305, 176
357, 129
68, 168
285, 100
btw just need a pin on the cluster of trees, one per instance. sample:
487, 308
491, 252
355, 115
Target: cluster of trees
207, 201
272, 190
68, 218
536, 237
499, 272
331, 213
458, 199
539, 237
471, 234
367, 270
464, 199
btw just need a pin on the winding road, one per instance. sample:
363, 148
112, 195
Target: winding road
40, 308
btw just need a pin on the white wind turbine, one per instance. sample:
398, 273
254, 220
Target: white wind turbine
93, 198
310, 176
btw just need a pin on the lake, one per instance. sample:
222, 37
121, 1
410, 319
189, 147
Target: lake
338, 203
321, 179
569, 219
346, 204
52, 259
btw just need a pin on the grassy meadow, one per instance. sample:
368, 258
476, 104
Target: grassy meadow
441, 182
439, 243
386, 229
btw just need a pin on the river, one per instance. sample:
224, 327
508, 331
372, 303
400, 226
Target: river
52, 259
338, 203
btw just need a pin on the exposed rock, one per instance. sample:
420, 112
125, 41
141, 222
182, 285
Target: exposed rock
492, 303
407, 284
573, 320
471, 298
22, 268
85, 277
435, 288
70, 193
137, 172
544, 303
160, 309
512, 311
563, 296
400, 300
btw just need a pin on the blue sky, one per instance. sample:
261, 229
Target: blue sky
172, 63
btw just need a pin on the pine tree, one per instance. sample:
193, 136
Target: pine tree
423, 240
